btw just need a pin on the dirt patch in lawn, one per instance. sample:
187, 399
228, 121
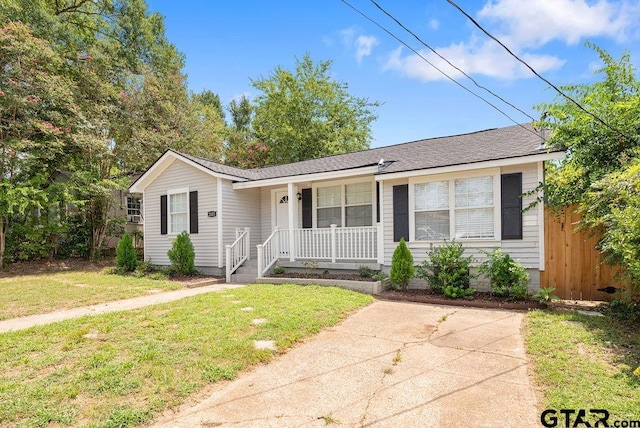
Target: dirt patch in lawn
478, 300
40, 267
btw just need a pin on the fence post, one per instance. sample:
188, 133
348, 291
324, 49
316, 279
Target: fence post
276, 237
260, 259
228, 263
333, 243
248, 238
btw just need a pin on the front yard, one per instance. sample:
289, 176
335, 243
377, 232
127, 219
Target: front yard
585, 362
29, 294
124, 369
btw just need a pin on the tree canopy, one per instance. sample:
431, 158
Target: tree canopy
306, 114
603, 152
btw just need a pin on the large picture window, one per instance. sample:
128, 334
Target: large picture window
355, 209
461, 208
358, 207
329, 205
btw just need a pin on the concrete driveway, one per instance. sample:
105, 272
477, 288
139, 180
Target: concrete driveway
390, 364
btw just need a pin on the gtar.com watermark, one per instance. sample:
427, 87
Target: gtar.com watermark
588, 418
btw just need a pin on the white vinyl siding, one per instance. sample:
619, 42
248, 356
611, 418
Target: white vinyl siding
179, 175
241, 209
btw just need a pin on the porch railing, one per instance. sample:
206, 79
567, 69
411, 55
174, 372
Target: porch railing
238, 252
269, 252
334, 243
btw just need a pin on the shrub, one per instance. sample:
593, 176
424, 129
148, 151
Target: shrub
365, 271
182, 255
126, 256
447, 271
506, 276
278, 270
402, 269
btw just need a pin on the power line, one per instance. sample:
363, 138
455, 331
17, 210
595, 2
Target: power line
440, 71
449, 62
558, 90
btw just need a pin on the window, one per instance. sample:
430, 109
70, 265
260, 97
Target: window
329, 200
178, 212
355, 210
133, 206
466, 205
432, 211
358, 204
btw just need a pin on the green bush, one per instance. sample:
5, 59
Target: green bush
278, 270
182, 255
126, 256
402, 269
506, 276
365, 272
447, 271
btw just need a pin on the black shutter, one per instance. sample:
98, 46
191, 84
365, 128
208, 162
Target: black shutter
401, 212
193, 212
163, 214
511, 198
377, 202
307, 209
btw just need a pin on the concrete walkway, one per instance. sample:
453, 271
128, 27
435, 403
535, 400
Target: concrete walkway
391, 364
117, 305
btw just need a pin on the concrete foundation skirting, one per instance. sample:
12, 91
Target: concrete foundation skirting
367, 287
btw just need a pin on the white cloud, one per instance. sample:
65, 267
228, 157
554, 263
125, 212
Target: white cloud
538, 22
361, 43
364, 46
487, 59
434, 24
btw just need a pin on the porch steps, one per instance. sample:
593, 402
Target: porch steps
246, 274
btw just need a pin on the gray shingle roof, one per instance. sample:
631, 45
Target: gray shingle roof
491, 144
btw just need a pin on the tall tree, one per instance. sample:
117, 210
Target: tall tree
305, 114
36, 110
600, 157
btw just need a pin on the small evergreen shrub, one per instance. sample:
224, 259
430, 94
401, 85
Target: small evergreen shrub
447, 271
126, 256
182, 255
402, 269
365, 272
278, 270
506, 276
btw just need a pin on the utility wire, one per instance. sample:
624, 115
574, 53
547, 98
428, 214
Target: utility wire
440, 71
558, 90
449, 62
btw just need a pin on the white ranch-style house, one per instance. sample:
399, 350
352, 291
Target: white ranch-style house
348, 210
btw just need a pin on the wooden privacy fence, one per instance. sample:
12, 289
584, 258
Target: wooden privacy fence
572, 263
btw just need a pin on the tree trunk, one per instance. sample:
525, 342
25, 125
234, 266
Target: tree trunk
3, 234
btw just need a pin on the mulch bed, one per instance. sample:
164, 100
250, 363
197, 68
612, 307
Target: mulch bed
480, 300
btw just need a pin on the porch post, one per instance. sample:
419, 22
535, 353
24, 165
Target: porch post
228, 263
260, 258
248, 230
291, 206
380, 243
333, 243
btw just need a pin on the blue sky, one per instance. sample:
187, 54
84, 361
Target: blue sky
228, 43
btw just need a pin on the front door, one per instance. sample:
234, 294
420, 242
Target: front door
282, 221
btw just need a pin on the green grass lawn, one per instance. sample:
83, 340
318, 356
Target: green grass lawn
584, 362
135, 364
34, 294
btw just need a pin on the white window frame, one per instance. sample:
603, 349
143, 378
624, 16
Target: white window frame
171, 192
139, 203
343, 198
451, 177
